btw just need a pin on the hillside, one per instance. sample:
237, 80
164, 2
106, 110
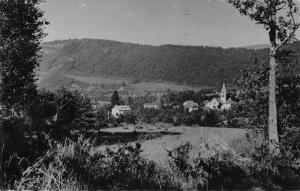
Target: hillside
192, 65
257, 47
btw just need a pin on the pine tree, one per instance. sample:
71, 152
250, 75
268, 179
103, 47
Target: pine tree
115, 100
130, 101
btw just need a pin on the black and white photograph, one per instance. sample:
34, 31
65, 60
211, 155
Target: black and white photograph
168, 95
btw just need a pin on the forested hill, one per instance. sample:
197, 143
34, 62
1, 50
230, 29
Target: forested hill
195, 65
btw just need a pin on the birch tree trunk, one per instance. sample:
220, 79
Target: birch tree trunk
272, 123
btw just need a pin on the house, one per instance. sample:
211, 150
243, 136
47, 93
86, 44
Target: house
215, 103
153, 105
190, 106
118, 110
220, 103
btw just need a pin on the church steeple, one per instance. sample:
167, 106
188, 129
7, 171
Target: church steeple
223, 93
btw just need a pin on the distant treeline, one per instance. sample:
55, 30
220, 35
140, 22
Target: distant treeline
193, 65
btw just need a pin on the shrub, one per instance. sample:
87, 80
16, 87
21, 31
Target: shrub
130, 118
211, 118
71, 164
214, 165
19, 148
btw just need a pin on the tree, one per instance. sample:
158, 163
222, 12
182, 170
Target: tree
21, 31
253, 104
279, 18
115, 100
130, 101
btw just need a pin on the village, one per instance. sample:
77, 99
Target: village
217, 102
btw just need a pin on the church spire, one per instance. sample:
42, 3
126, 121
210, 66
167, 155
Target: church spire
223, 93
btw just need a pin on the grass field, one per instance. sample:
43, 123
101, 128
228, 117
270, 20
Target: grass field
156, 149
162, 87
98, 80
138, 87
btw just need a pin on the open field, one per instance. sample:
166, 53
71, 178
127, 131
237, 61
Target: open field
97, 80
155, 149
162, 87
137, 87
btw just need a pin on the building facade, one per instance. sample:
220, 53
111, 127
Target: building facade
119, 110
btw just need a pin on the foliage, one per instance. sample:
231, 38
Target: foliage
115, 100
208, 118
130, 118
211, 118
205, 66
19, 148
51, 176
215, 165
20, 33
78, 163
280, 19
50, 116
130, 101
57, 113
253, 101
148, 115
101, 118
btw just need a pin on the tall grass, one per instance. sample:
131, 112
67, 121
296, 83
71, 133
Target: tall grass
212, 164
80, 165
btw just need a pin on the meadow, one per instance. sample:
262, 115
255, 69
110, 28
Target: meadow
135, 87
169, 137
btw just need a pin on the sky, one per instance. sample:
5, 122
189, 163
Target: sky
153, 22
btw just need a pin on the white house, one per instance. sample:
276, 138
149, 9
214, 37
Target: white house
190, 106
118, 110
220, 103
215, 103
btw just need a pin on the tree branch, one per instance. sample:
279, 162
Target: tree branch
294, 27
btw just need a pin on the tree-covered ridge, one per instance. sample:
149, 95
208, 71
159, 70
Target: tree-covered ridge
196, 65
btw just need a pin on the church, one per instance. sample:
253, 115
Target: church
220, 103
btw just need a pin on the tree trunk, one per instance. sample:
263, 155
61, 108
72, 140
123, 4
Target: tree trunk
272, 123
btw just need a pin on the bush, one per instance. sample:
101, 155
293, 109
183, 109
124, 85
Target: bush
25, 135
80, 166
130, 118
215, 165
19, 148
211, 119
148, 115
